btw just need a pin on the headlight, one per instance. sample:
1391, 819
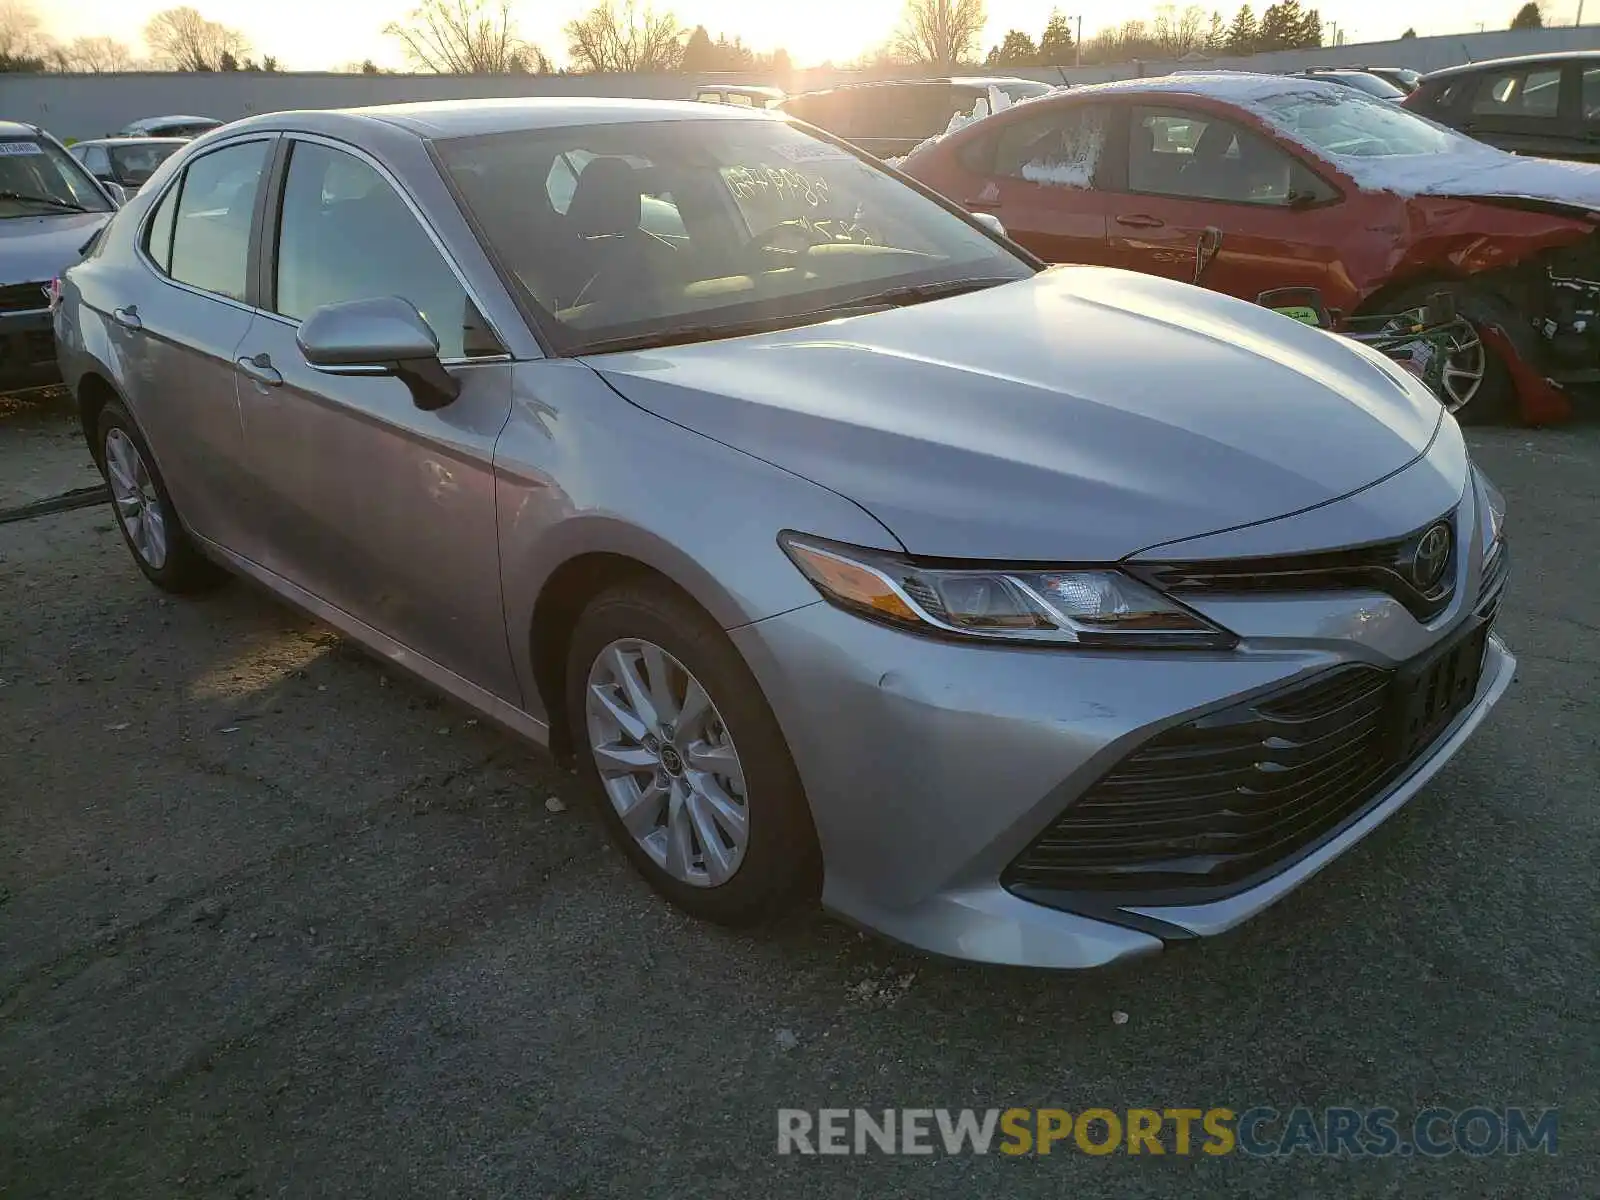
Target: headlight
1090, 607
1492, 513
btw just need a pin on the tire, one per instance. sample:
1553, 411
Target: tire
668, 643
169, 560
1495, 398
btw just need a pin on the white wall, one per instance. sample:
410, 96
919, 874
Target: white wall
81, 106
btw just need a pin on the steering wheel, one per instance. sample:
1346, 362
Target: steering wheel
800, 238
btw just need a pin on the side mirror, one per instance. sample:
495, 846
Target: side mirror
115, 190
382, 336
990, 222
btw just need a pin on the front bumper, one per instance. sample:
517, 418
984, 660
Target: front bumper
931, 766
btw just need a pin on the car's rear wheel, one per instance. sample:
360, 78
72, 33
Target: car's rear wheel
1478, 388
688, 765
145, 514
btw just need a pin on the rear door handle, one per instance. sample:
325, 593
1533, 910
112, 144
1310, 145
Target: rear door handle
260, 369
128, 317
1141, 221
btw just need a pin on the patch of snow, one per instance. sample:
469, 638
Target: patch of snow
1059, 174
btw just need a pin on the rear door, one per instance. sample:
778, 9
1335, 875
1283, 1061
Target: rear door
1527, 109
180, 332
369, 503
1036, 170
1184, 176
1588, 89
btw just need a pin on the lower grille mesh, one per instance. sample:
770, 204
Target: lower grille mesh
1215, 801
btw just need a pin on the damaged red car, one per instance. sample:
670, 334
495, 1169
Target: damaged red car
1249, 184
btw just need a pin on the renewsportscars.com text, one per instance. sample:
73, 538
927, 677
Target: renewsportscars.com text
1260, 1132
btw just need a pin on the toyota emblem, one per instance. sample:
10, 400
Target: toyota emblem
1431, 557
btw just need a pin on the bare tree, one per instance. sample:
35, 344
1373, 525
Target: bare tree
98, 55
1177, 34
186, 41
622, 37
19, 31
940, 32
466, 37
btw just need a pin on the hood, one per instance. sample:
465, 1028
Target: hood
1080, 415
1475, 171
38, 248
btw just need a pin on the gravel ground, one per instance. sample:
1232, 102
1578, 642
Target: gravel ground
274, 922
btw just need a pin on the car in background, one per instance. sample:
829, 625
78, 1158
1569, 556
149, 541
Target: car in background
738, 95
1403, 78
1035, 616
1547, 105
891, 117
1251, 183
126, 162
171, 126
50, 208
1369, 82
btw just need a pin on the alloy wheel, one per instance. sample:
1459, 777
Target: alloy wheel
667, 762
1465, 364
133, 493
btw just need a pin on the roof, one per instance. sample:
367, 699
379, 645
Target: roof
1238, 87
973, 81
174, 119
14, 129
470, 118
1516, 61
114, 142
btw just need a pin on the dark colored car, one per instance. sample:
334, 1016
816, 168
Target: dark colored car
50, 208
1250, 183
1362, 80
1403, 78
1541, 104
892, 117
126, 162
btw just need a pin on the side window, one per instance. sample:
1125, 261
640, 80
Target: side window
158, 237
1176, 153
96, 161
345, 234
211, 232
1591, 93
1518, 93
1060, 146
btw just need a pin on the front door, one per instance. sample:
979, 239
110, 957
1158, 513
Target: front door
373, 505
1527, 109
1202, 199
181, 334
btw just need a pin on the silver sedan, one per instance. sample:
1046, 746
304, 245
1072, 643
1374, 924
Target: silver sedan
1031, 616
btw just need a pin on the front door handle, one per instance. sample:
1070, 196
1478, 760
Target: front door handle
260, 369
128, 317
976, 204
1141, 221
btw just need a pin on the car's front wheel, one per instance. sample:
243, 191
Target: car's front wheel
144, 509
687, 762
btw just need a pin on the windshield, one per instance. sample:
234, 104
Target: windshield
627, 230
133, 165
1371, 85
1352, 125
37, 177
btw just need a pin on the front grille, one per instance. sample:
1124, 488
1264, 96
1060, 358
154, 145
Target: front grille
24, 297
1208, 805
1380, 566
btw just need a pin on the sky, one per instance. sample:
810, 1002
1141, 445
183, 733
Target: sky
329, 34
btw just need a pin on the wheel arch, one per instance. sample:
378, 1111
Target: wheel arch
604, 553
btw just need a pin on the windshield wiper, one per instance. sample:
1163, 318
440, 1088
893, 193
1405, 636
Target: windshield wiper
48, 201
921, 293
680, 335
